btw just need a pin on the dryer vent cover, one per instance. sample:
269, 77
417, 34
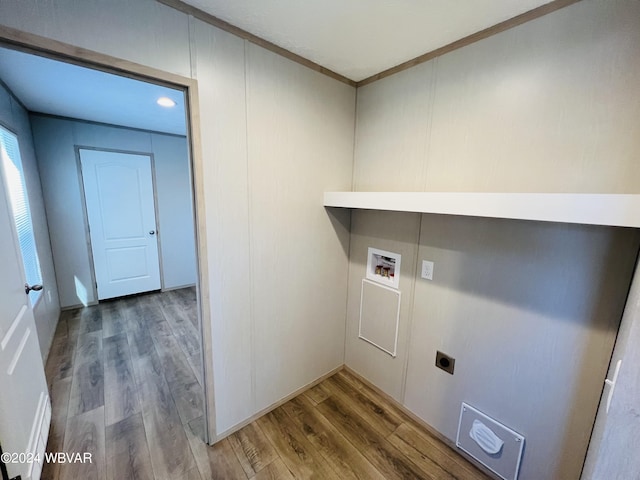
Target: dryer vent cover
493, 444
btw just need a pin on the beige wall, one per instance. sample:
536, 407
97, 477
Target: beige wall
14, 117
278, 136
141, 31
275, 136
549, 106
529, 310
394, 232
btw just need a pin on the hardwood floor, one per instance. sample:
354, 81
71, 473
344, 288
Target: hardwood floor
125, 384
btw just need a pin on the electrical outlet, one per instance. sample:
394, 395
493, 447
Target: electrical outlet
427, 269
445, 362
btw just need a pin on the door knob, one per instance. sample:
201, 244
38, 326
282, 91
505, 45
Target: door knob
28, 288
152, 232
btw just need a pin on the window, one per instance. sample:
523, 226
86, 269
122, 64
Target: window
17, 193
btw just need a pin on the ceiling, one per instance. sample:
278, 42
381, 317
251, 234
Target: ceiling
57, 88
355, 38
359, 38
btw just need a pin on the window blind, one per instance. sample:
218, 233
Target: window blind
17, 193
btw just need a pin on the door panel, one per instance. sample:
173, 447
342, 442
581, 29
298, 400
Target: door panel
616, 432
25, 410
119, 196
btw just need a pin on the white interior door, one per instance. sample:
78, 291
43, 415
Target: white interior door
25, 409
118, 190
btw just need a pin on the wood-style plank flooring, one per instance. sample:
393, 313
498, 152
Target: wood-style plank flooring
125, 384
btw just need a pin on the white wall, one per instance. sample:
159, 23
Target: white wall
55, 140
14, 117
550, 106
274, 137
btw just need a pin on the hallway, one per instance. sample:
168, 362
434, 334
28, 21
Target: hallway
125, 383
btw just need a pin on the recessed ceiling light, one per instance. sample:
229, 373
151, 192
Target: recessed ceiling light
166, 102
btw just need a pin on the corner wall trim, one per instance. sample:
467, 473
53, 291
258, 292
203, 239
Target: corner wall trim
463, 42
228, 27
474, 37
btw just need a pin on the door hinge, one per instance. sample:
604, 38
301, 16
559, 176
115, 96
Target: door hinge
96, 283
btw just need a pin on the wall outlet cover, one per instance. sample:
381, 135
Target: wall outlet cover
427, 270
445, 362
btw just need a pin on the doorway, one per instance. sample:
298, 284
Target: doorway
173, 324
21, 375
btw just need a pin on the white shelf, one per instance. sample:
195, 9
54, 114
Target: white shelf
619, 210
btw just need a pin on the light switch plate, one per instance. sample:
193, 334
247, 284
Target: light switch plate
427, 270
